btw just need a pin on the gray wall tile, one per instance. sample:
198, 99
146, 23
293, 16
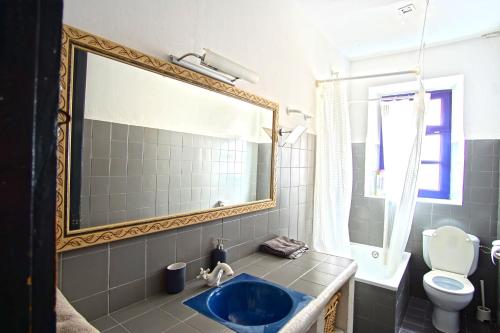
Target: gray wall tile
477, 215
135, 150
164, 136
99, 185
148, 199
117, 202
117, 216
87, 128
133, 184
98, 218
261, 224
274, 221
126, 294
135, 134
193, 267
188, 245
119, 132
86, 149
117, 185
93, 307
176, 139
163, 167
85, 274
163, 152
118, 167
160, 252
247, 228
126, 263
100, 167
136, 264
151, 135
149, 167
134, 167
150, 151
101, 130
231, 231
134, 200
209, 233
99, 203
294, 177
149, 183
101, 147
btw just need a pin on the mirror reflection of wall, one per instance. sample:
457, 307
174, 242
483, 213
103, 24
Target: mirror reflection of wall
145, 145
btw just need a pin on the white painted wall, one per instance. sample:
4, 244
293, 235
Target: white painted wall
269, 36
477, 59
119, 93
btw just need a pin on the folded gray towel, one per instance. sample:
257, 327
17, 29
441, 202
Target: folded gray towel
285, 247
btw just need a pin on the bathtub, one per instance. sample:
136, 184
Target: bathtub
372, 271
380, 298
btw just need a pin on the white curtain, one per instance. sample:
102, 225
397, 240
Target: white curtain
333, 178
402, 134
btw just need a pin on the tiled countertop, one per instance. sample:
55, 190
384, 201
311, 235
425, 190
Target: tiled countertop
310, 274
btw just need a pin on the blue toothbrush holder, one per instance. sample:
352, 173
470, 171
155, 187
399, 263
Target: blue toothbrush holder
176, 277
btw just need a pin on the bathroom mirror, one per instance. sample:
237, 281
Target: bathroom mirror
145, 145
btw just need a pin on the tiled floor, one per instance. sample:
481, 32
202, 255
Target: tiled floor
418, 319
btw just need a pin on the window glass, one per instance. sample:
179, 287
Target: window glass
434, 177
428, 177
433, 114
431, 148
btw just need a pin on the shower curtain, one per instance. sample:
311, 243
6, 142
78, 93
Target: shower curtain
333, 178
402, 134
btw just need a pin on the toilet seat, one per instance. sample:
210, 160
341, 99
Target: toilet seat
449, 283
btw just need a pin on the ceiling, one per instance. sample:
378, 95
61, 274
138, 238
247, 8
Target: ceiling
367, 28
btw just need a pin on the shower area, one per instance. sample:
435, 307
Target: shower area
371, 222
381, 298
378, 227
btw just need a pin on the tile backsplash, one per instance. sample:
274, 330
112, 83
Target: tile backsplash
103, 278
477, 215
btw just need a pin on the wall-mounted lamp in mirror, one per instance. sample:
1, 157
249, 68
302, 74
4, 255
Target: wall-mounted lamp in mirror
152, 146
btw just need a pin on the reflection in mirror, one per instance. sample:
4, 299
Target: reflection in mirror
145, 145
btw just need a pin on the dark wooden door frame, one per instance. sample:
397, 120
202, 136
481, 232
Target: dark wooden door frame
30, 33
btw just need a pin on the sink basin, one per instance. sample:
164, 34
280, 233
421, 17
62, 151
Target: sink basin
249, 304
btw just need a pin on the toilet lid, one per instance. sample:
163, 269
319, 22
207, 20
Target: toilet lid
451, 250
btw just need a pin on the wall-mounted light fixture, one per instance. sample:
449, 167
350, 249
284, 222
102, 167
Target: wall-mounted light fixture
216, 66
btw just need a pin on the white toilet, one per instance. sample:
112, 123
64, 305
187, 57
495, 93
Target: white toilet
452, 255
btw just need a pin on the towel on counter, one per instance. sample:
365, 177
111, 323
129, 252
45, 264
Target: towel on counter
68, 320
285, 247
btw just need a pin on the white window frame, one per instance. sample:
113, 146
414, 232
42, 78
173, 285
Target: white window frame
455, 83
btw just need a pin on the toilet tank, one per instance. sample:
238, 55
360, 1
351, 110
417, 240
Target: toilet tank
426, 236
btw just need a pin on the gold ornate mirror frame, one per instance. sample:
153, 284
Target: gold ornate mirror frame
67, 239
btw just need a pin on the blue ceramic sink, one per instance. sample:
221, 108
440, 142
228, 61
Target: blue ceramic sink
249, 304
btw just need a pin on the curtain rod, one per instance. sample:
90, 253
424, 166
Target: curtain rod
414, 71
383, 99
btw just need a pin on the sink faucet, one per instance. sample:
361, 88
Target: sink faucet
213, 279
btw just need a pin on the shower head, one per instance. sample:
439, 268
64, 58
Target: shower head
294, 135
